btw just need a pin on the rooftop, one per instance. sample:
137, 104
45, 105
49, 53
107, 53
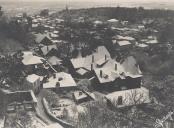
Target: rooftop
32, 78
128, 38
82, 71
152, 41
99, 57
54, 60
113, 70
113, 20
46, 49
40, 37
62, 79
140, 95
142, 45
79, 95
29, 59
123, 43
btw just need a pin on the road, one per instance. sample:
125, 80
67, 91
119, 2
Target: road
40, 109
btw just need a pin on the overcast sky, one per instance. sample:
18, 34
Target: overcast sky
119, 1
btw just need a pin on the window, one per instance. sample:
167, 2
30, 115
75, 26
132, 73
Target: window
120, 100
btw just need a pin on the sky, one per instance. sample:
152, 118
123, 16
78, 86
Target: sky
140, 1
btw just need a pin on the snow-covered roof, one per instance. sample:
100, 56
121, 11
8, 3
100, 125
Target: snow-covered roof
85, 62
40, 37
113, 20
128, 38
46, 49
82, 71
142, 45
138, 95
32, 78
98, 22
54, 60
113, 70
61, 78
152, 42
123, 43
32, 60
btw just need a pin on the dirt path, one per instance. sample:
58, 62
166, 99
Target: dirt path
41, 111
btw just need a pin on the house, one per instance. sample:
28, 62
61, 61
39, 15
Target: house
141, 45
21, 100
124, 23
31, 61
43, 39
97, 23
33, 82
2, 122
153, 41
86, 64
59, 21
60, 80
122, 38
113, 22
54, 61
123, 42
53, 35
127, 98
124, 45
120, 75
49, 50
82, 96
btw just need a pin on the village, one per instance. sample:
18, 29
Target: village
74, 63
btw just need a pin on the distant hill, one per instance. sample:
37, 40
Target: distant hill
122, 13
32, 6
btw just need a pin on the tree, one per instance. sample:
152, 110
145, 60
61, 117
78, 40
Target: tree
136, 98
44, 12
1, 12
85, 85
166, 33
52, 98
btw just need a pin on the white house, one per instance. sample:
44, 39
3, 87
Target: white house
33, 81
60, 80
128, 97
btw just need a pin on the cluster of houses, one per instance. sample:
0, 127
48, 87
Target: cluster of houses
42, 66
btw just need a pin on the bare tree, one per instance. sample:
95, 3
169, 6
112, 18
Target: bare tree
135, 97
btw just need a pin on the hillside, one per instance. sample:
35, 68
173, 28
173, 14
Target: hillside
8, 46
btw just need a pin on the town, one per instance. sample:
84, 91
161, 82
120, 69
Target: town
73, 69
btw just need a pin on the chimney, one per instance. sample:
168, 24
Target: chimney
57, 85
47, 48
105, 57
92, 58
54, 76
91, 67
115, 67
101, 73
80, 93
